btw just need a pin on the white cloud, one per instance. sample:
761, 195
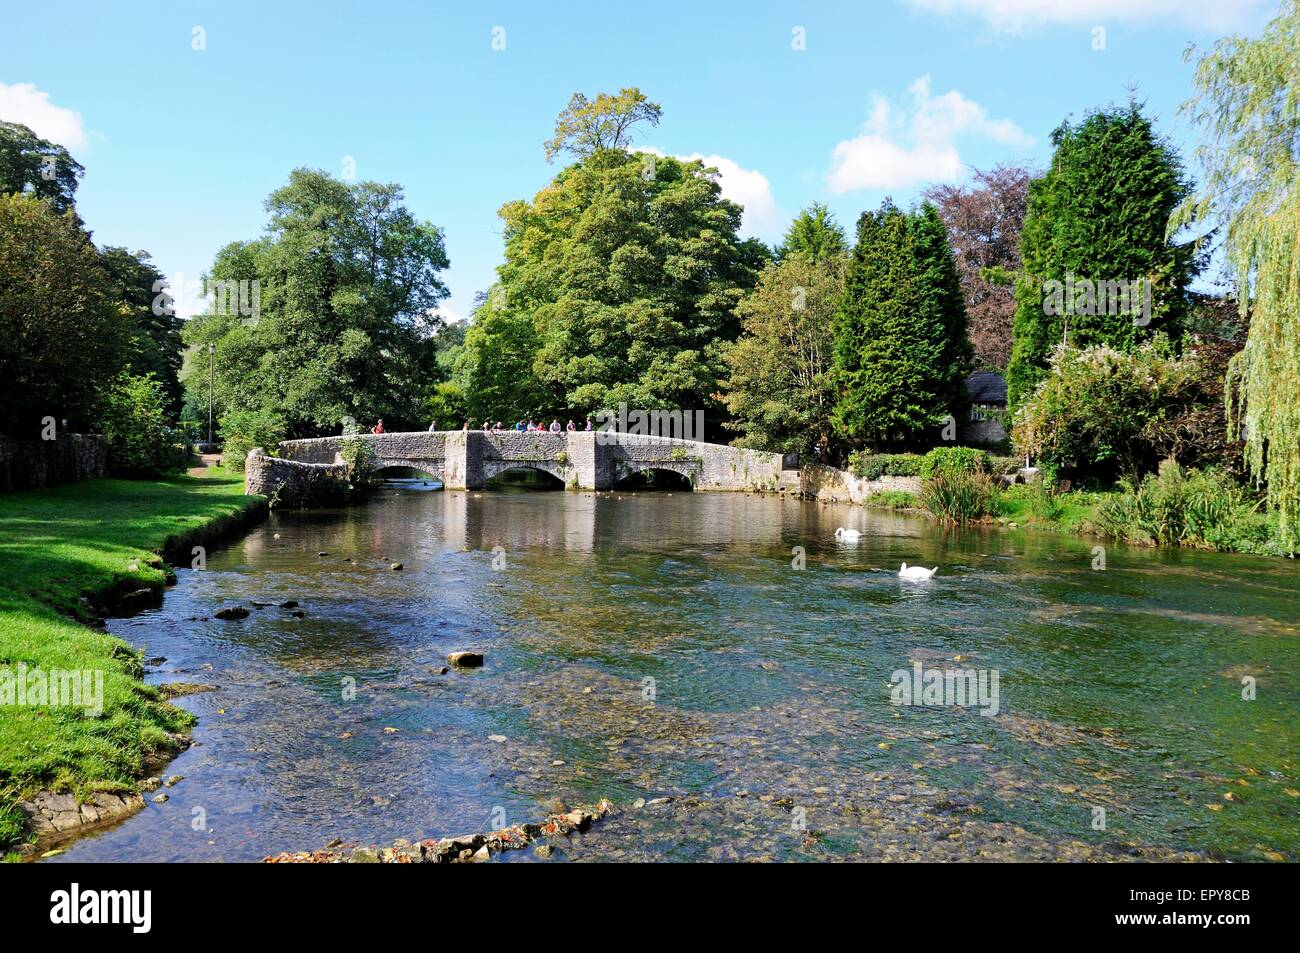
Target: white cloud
746, 187
1014, 16
24, 103
917, 144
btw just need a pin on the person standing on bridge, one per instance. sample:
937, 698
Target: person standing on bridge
555, 425
379, 427
571, 427
519, 426
588, 425
433, 427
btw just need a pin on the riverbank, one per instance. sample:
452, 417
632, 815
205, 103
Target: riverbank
1112, 515
70, 555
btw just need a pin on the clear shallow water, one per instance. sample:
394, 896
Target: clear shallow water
1119, 689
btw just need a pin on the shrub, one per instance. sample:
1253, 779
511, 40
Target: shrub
872, 466
242, 430
892, 500
1201, 508
960, 496
950, 461
1106, 413
361, 460
1005, 466
135, 428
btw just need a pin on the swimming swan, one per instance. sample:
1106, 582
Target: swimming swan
852, 535
916, 572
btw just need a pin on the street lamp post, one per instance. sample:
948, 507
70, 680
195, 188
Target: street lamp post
212, 349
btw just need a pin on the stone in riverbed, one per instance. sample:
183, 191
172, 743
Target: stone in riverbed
160, 798
289, 604
233, 612
395, 567
466, 659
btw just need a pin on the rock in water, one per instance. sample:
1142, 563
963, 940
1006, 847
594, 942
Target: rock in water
466, 659
234, 612
395, 567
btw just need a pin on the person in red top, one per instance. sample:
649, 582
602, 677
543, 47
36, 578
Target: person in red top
379, 427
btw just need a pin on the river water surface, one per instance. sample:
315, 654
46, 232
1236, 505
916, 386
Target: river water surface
663, 645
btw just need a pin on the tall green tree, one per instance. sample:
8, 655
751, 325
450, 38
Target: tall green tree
586, 126
155, 346
1100, 214
32, 165
1248, 108
901, 354
62, 335
780, 390
494, 368
337, 325
814, 234
629, 268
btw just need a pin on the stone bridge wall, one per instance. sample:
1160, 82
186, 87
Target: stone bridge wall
583, 460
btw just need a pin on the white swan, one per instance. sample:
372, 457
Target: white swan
916, 572
852, 535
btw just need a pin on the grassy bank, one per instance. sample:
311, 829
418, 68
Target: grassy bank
1172, 510
97, 539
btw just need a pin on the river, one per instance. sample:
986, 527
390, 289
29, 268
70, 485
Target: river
650, 645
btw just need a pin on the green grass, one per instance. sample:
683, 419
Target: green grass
94, 538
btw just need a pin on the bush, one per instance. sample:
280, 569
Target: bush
951, 461
361, 460
242, 430
872, 466
1105, 413
960, 497
1005, 466
1200, 508
135, 428
892, 500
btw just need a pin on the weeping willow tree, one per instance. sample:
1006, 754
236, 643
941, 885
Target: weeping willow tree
1247, 106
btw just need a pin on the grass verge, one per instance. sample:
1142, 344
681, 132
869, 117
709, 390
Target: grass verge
96, 539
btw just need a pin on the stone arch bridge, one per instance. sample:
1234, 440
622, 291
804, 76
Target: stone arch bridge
599, 460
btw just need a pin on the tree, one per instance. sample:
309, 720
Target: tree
629, 268
984, 220
333, 317
814, 234
494, 369
155, 346
1247, 108
585, 126
135, 426
31, 165
900, 350
1097, 220
780, 392
62, 338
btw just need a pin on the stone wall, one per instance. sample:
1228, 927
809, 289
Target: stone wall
840, 486
66, 459
291, 483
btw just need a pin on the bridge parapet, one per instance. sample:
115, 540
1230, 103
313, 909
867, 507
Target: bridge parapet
582, 460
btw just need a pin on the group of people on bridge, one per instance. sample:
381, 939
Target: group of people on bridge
488, 426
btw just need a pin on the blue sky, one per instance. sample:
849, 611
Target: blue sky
182, 145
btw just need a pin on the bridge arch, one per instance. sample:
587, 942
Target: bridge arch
665, 474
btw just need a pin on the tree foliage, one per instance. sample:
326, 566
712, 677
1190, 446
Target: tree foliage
155, 346
628, 268
63, 338
1100, 214
814, 234
1248, 108
33, 166
984, 220
900, 350
779, 392
346, 277
1104, 413
135, 423
587, 126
